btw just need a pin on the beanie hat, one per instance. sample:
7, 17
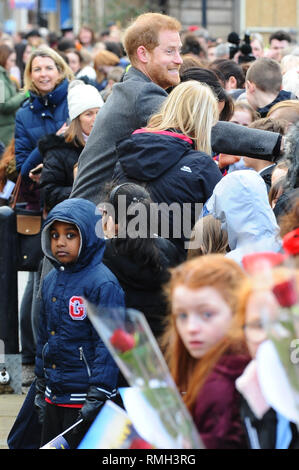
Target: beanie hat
82, 97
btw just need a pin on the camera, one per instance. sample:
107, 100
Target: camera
242, 46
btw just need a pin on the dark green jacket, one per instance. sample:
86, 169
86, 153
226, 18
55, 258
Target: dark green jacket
10, 101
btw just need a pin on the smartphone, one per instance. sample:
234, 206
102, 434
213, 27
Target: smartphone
36, 171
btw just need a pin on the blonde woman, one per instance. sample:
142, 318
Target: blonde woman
172, 156
46, 78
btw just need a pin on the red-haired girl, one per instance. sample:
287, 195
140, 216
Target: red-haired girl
204, 359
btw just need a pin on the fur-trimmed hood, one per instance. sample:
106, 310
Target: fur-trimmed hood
51, 141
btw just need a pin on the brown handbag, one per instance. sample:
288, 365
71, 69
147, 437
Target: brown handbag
28, 231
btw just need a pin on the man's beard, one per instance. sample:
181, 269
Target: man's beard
164, 79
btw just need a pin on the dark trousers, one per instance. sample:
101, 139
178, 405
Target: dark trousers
57, 420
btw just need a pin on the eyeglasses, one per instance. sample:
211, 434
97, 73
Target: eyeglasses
255, 332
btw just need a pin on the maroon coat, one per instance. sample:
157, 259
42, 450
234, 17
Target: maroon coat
217, 408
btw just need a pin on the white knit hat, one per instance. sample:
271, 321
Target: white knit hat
82, 97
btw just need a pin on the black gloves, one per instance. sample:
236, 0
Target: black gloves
95, 399
39, 400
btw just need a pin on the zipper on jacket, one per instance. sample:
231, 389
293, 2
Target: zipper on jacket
43, 358
83, 358
43, 352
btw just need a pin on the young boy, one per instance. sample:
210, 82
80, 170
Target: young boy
263, 85
74, 370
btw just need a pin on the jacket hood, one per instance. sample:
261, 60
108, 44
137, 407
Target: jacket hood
146, 155
86, 217
240, 201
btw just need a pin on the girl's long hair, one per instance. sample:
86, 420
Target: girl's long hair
44, 51
225, 276
191, 108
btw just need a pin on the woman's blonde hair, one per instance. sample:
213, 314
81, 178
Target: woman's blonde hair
191, 108
62, 67
289, 62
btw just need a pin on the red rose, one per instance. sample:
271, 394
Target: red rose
291, 242
285, 293
139, 443
122, 340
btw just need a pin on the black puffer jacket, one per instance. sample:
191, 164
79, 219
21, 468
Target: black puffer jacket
143, 285
59, 158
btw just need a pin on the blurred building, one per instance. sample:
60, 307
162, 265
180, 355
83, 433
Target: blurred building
219, 17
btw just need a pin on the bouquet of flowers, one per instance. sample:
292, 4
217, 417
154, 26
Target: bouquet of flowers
137, 354
276, 283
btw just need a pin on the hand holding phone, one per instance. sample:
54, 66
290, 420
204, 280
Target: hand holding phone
35, 173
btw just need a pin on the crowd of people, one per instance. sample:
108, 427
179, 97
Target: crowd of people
197, 136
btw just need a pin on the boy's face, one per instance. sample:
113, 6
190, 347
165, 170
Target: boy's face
65, 242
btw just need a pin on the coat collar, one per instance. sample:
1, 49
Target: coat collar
55, 97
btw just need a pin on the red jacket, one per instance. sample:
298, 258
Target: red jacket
217, 408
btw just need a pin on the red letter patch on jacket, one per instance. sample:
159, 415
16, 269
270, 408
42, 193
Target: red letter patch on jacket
77, 308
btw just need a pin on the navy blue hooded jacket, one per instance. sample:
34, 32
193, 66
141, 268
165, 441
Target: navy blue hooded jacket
70, 354
173, 173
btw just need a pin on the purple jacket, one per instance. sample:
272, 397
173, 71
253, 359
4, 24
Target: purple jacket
217, 408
